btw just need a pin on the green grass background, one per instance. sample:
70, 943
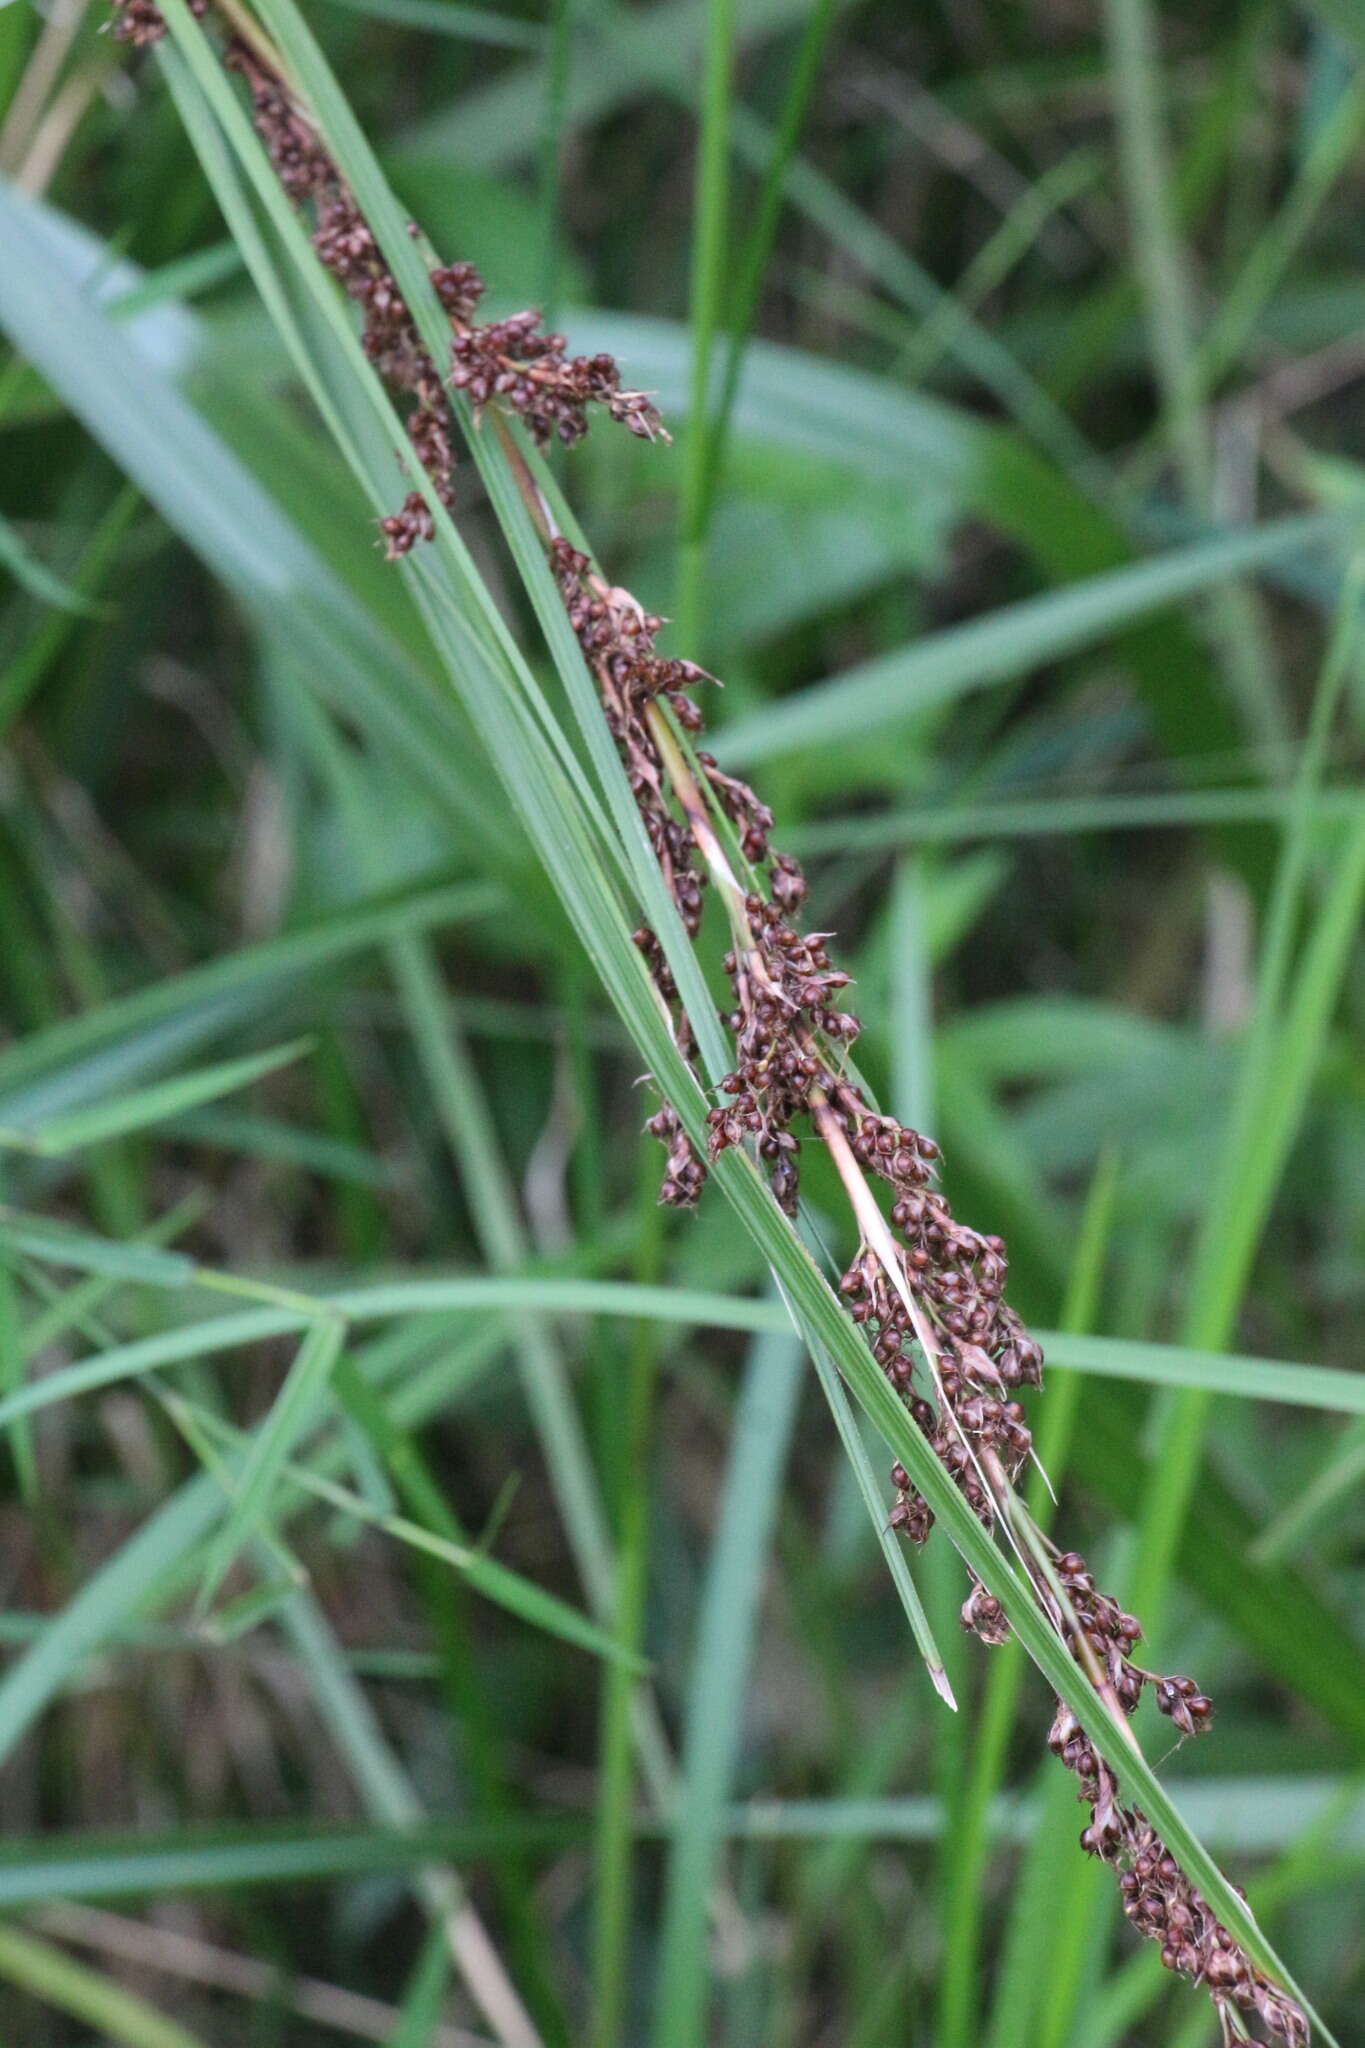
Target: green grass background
436, 1605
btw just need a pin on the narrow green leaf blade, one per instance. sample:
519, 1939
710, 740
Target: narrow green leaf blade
144, 1106
293, 1409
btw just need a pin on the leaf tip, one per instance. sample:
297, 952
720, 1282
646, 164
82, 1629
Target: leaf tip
939, 1678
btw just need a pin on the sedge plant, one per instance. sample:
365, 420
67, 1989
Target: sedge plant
939, 1357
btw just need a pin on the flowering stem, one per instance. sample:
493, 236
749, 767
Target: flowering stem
1023, 1531
938, 1286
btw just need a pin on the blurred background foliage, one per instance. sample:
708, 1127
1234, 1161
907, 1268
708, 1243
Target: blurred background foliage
1019, 540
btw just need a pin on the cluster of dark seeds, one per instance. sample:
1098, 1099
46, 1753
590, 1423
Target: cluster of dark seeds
1112, 1636
513, 362
347, 248
787, 1023
617, 637
507, 361
1163, 1905
792, 1037
957, 1276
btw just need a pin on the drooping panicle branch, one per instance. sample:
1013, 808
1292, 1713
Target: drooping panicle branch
927, 1292
509, 362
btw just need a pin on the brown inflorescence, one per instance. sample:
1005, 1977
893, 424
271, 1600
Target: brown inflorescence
347, 248
929, 1293
792, 1035
513, 362
617, 636
510, 362
1162, 1904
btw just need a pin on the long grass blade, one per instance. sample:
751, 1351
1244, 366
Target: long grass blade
87, 1996
510, 1590
1330, 1388
142, 1107
290, 1416
765, 1417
